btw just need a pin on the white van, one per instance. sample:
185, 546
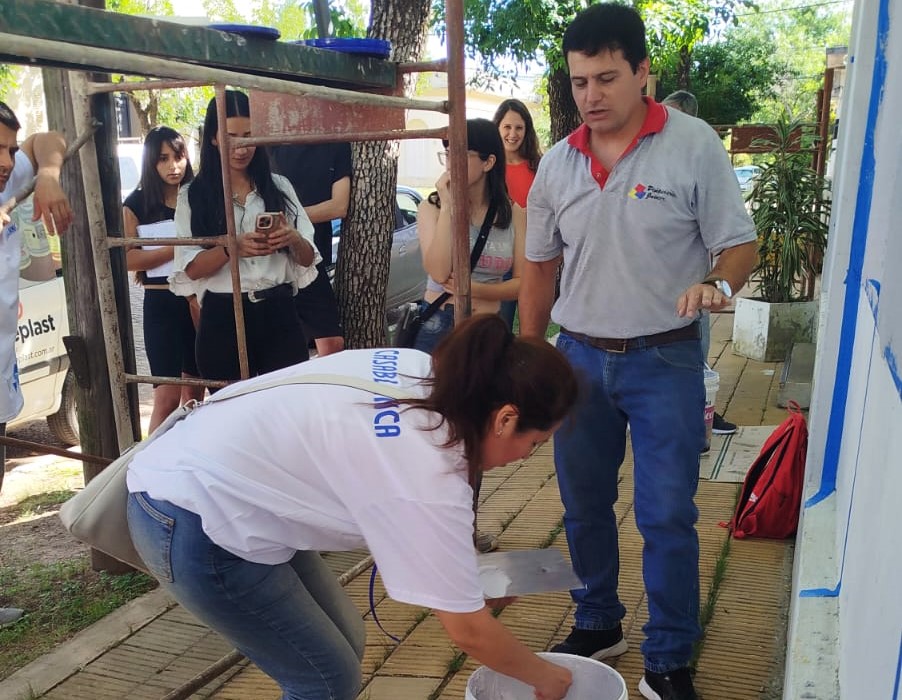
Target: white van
48, 385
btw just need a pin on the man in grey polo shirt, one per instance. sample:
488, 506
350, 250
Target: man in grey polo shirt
634, 201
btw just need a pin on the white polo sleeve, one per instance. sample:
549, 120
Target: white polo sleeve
722, 217
543, 238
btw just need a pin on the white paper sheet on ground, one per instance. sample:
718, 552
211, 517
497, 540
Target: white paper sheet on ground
161, 229
525, 571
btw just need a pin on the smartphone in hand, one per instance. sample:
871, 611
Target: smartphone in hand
268, 221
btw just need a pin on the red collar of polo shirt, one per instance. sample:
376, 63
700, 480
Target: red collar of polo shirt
655, 118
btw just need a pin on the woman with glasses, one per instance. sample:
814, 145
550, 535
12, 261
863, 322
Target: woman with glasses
503, 253
504, 249
276, 253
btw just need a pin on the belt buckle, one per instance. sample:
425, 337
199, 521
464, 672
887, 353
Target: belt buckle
621, 346
252, 297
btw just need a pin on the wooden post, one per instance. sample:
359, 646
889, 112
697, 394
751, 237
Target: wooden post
98, 426
457, 157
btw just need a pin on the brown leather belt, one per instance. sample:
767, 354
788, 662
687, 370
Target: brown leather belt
690, 332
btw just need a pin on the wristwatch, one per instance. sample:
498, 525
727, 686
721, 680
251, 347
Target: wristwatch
721, 285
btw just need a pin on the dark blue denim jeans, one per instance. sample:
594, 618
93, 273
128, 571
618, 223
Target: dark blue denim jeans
293, 620
660, 392
437, 326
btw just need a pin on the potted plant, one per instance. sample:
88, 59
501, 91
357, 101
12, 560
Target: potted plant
791, 213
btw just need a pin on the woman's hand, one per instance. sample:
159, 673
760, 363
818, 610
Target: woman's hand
555, 685
253, 244
443, 187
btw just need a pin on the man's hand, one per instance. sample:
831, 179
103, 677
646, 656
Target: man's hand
701, 296
50, 202
500, 603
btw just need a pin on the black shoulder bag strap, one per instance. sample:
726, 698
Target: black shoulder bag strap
474, 258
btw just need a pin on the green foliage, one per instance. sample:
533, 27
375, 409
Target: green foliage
800, 37
675, 27
8, 80
730, 78
60, 599
790, 212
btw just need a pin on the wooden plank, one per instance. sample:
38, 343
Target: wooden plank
72, 24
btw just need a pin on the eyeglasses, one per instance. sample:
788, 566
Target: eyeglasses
443, 156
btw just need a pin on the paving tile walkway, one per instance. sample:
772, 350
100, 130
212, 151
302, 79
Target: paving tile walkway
740, 659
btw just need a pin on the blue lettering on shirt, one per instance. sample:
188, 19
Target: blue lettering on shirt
384, 370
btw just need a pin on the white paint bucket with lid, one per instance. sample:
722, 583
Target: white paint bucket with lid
592, 680
712, 384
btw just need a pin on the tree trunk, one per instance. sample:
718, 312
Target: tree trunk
363, 264
683, 68
561, 108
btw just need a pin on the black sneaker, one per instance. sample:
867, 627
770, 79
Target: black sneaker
673, 685
721, 426
594, 644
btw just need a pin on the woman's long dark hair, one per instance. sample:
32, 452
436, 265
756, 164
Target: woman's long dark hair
480, 367
151, 183
529, 149
483, 137
205, 195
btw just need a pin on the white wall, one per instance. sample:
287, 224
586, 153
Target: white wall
846, 621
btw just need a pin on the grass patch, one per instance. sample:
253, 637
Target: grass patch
552, 534
59, 599
552, 330
40, 503
720, 571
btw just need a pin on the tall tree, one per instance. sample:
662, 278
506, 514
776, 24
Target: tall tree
527, 29
362, 273
730, 78
800, 36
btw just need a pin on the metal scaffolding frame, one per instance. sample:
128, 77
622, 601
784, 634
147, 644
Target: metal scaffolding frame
35, 43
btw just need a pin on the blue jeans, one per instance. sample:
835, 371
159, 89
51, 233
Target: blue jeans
437, 326
660, 392
704, 330
292, 620
508, 308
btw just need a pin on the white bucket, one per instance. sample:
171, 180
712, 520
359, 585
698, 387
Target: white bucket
712, 384
592, 680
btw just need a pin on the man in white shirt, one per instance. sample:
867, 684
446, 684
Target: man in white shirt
40, 157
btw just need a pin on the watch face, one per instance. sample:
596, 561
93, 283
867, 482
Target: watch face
725, 288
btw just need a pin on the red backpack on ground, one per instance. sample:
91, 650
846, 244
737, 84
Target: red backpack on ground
772, 491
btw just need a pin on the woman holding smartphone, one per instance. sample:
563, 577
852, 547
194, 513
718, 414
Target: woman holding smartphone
276, 258
169, 333
230, 508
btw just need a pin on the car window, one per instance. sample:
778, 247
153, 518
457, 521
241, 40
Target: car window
408, 204
128, 173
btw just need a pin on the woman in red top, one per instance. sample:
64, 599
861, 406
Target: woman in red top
521, 155
521, 148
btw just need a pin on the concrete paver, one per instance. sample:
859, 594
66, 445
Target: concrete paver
740, 656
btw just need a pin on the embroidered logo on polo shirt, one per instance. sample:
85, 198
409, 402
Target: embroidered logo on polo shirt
641, 191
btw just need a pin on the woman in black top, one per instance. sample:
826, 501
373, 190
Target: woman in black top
168, 323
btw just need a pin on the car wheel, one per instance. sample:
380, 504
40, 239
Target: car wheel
64, 423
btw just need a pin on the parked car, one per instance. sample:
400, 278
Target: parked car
746, 174
406, 277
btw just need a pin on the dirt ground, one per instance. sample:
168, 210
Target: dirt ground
36, 536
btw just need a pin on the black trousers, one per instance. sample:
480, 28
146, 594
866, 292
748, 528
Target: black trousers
275, 338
